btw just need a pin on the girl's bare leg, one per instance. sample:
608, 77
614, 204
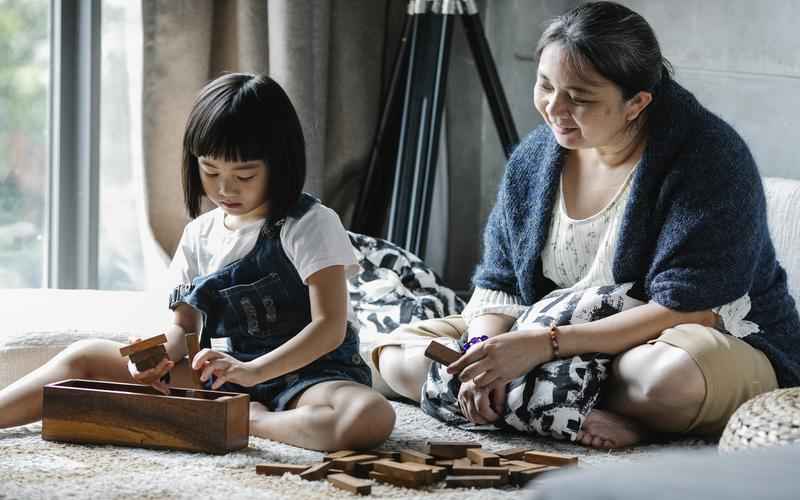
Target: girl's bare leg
653, 387
334, 415
404, 368
21, 402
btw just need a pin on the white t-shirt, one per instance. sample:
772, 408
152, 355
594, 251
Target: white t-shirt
315, 241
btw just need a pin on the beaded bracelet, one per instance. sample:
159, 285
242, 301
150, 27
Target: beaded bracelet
554, 339
473, 341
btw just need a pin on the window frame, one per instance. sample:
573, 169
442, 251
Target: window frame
73, 197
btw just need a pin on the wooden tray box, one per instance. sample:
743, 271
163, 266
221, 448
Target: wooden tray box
89, 411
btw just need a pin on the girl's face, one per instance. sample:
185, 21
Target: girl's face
238, 188
584, 110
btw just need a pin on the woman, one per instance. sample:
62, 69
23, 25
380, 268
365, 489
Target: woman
630, 180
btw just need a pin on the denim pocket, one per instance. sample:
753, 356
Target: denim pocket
255, 307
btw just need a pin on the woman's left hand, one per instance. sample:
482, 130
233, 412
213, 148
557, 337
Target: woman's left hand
504, 357
224, 368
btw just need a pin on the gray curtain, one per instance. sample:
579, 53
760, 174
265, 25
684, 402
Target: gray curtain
328, 55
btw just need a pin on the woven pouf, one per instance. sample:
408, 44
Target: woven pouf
769, 419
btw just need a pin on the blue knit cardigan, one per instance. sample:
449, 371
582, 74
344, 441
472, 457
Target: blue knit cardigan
694, 231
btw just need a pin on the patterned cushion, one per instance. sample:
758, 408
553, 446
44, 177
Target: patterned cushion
395, 287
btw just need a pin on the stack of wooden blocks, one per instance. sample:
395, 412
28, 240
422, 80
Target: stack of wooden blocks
457, 463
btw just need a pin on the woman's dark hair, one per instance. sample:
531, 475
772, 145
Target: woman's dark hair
245, 117
615, 40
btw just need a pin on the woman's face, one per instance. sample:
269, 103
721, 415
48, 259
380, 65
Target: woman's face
583, 109
238, 188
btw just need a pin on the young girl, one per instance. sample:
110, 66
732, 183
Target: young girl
262, 276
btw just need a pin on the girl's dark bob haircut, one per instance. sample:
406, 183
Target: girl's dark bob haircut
245, 117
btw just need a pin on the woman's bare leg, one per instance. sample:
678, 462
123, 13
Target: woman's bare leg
21, 402
404, 368
652, 388
334, 415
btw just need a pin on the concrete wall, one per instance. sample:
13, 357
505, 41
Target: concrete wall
741, 59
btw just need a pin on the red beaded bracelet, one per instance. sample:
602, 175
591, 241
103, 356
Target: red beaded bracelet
554, 339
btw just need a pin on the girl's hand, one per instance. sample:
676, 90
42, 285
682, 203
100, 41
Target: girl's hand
503, 358
153, 375
482, 405
224, 368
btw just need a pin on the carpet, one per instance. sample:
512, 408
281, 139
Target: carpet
33, 468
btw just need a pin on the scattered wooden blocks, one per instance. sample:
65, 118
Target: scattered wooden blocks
555, 459
483, 458
351, 484
146, 354
468, 466
441, 353
451, 449
274, 469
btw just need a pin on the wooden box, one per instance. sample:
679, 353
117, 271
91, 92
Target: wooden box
89, 411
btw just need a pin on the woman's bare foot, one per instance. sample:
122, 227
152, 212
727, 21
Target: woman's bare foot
603, 429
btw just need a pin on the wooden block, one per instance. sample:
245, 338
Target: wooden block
441, 353
334, 470
143, 345
276, 469
192, 348
396, 481
316, 472
475, 481
405, 471
451, 449
512, 453
462, 462
151, 362
90, 411
148, 353
408, 455
351, 484
521, 477
483, 458
556, 459
388, 454
348, 464
339, 454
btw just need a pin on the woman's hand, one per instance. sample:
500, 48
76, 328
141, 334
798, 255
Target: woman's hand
224, 368
482, 405
503, 358
153, 375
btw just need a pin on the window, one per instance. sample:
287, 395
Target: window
24, 88
45, 238
121, 193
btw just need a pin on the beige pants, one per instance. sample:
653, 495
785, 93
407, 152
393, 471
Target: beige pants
734, 371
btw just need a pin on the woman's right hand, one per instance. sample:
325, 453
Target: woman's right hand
483, 405
153, 375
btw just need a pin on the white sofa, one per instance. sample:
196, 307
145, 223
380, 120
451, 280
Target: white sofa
40, 323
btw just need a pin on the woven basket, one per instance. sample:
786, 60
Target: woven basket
769, 419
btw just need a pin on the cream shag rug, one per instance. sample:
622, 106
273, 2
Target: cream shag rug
33, 468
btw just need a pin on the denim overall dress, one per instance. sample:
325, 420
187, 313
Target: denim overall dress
260, 302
